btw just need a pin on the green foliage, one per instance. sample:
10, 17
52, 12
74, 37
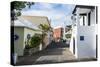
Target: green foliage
44, 27
19, 5
35, 40
27, 46
68, 35
69, 26
18, 14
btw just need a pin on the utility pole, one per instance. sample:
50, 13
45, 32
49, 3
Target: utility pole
64, 31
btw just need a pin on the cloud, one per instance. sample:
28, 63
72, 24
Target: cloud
57, 13
52, 14
45, 6
40, 6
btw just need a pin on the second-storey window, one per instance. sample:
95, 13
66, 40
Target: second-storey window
83, 20
89, 14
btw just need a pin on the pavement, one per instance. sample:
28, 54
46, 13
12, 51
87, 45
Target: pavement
54, 53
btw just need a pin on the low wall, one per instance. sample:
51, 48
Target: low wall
33, 50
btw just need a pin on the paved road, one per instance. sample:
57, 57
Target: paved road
55, 52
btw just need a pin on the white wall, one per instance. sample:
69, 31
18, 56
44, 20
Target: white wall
26, 32
18, 44
49, 37
93, 17
71, 44
29, 31
86, 48
74, 35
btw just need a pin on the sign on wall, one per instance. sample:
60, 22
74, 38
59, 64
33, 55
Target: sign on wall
81, 38
16, 37
28, 36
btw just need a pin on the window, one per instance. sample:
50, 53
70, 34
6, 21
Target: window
89, 14
96, 15
83, 20
81, 38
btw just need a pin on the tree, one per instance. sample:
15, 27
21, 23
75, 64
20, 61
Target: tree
45, 28
35, 40
18, 6
69, 27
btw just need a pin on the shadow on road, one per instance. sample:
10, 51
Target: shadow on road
54, 48
54, 44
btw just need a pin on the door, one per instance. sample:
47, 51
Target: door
73, 45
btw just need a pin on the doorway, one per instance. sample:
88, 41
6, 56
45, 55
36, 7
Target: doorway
73, 45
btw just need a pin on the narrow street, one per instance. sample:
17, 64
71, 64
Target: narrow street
54, 53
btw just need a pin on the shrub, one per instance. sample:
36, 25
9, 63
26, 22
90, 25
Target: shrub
68, 35
27, 47
35, 40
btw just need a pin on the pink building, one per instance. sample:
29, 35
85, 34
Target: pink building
57, 33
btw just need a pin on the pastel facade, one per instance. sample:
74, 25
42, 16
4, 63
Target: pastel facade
58, 33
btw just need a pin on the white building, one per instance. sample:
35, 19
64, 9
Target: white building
24, 28
67, 33
84, 32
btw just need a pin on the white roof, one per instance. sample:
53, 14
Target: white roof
36, 19
18, 23
24, 23
57, 27
83, 10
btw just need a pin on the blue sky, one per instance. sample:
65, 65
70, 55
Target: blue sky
58, 14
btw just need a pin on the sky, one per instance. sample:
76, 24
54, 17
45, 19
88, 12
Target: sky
58, 14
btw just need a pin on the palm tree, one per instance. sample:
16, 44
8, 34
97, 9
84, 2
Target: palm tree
45, 28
